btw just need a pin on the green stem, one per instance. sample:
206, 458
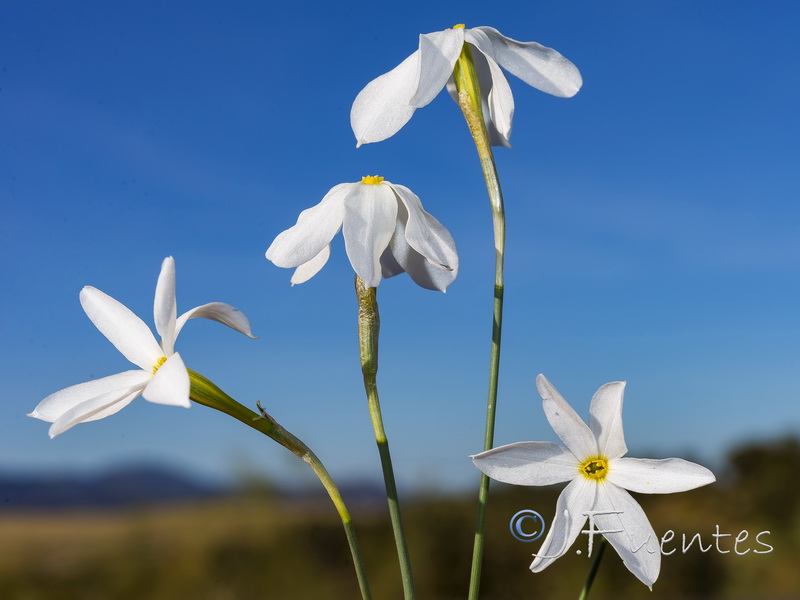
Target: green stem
593, 569
469, 100
206, 393
368, 329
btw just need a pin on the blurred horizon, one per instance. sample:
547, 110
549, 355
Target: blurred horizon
233, 542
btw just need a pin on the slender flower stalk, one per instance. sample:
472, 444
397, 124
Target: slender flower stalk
206, 393
469, 100
368, 330
593, 569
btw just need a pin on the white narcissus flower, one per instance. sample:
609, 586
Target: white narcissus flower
386, 232
161, 378
592, 461
387, 103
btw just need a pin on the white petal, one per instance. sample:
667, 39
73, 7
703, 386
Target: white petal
389, 265
382, 108
424, 233
605, 419
314, 230
400, 257
369, 222
634, 540
537, 65
220, 312
165, 308
124, 329
665, 476
498, 101
438, 54
575, 499
95, 408
528, 463
55, 405
565, 421
308, 269
170, 384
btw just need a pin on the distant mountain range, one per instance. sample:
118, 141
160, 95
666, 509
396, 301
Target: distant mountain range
118, 488
137, 485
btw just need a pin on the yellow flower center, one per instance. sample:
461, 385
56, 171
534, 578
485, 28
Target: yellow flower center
158, 364
372, 179
595, 468
459, 26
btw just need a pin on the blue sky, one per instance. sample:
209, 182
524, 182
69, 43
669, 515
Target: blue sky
653, 236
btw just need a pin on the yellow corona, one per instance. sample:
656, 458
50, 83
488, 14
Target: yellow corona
158, 364
595, 468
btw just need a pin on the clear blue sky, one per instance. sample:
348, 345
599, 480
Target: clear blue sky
654, 227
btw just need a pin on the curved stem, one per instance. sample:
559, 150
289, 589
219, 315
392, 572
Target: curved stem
593, 569
204, 392
368, 329
469, 100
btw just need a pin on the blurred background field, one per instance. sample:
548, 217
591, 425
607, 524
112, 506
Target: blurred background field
258, 542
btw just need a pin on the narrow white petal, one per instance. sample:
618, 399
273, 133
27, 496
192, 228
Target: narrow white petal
399, 257
423, 232
575, 499
220, 312
308, 269
528, 463
369, 222
497, 97
565, 421
382, 108
389, 264
124, 329
165, 308
537, 65
55, 405
605, 419
425, 268
438, 54
664, 476
628, 531
314, 230
95, 408
170, 384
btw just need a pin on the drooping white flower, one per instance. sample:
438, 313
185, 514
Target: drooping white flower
386, 232
161, 378
592, 460
387, 103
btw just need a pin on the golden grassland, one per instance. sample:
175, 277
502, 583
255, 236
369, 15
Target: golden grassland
256, 545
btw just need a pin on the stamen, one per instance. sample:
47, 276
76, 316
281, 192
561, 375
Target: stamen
595, 468
158, 364
372, 179
459, 26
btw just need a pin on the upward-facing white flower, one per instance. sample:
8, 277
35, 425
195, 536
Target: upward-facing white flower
387, 103
161, 378
386, 232
592, 461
